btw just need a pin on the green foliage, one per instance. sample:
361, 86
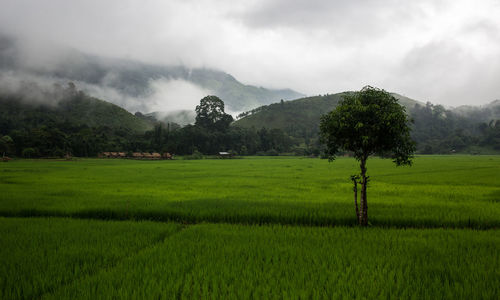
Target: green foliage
72, 122
365, 123
210, 114
29, 153
6, 145
196, 155
436, 130
368, 122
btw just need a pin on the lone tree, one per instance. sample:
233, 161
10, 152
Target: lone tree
365, 123
210, 114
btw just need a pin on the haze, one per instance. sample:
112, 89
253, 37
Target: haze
446, 52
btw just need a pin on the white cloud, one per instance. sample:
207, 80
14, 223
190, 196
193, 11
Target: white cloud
312, 46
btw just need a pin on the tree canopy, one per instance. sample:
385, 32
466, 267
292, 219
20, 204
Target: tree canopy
210, 114
368, 122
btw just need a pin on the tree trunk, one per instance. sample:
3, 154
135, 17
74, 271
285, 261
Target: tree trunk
363, 219
354, 179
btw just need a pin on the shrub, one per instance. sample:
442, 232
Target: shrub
29, 152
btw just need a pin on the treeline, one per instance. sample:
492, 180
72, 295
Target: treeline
83, 126
435, 129
54, 130
440, 131
213, 133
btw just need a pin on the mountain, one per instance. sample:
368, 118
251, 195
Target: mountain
300, 117
134, 85
435, 129
73, 108
51, 123
484, 113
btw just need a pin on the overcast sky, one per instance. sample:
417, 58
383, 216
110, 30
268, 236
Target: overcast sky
441, 51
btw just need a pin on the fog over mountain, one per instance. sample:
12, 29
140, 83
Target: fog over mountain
442, 51
131, 84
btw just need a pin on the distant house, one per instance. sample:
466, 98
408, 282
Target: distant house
225, 155
136, 155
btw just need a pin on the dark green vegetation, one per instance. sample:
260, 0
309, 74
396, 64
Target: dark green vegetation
271, 251
211, 116
72, 122
366, 123
58, 120
83, 126
435, 129
450, 191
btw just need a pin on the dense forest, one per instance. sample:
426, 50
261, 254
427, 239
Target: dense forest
74, 123
63, 120
474, 130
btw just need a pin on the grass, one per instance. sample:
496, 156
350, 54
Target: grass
424, 242
75, 259
438, 191
39, 255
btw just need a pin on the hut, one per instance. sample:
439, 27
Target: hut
225, 155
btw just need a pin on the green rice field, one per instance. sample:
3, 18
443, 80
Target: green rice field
252, 228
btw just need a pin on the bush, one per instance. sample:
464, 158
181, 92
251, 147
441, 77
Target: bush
196, 155
272, 152
58, 152
29, 152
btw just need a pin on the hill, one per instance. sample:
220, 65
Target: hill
135, 85
299, 117
77, 109
66, 120
435, 129
484, 113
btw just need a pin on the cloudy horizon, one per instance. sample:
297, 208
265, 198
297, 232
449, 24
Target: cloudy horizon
446, 52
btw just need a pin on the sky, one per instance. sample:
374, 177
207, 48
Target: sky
443, 51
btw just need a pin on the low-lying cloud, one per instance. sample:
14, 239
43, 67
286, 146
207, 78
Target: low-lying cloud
314, 47
163, 95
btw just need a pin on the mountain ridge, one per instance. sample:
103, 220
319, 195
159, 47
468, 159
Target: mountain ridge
134, 79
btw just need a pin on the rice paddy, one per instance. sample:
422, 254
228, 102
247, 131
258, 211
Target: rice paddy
253, 228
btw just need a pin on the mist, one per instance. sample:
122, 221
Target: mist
444, 51
31, 69
163, 95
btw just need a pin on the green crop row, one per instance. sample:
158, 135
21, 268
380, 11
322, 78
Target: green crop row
75, 259
38, 256
438, 191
